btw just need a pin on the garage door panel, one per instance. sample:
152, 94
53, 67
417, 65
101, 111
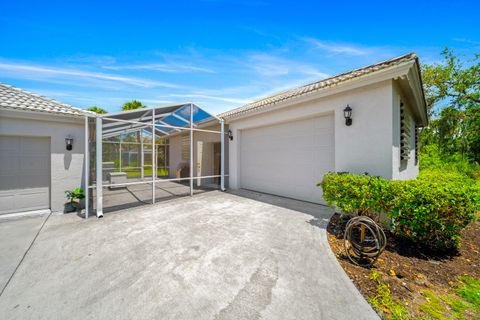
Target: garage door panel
24, 174
9, 164
288, 159
31, 165
32, 182
33, 146
9, 183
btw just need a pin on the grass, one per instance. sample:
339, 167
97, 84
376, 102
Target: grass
463, 302
384, 303
459, 305
470, 291
135, 172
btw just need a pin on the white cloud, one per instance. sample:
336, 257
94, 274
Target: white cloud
336, 47
163, 67
23, 71
268, 65
210, 97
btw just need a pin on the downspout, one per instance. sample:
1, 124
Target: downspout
222, 154
87, 168
99, 166
191, 149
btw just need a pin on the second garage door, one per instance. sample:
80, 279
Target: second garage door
24, 174
288, 159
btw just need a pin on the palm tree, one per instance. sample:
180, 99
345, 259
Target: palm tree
132, 105
97, 110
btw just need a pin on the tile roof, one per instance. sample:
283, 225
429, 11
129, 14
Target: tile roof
315, 86
18, 99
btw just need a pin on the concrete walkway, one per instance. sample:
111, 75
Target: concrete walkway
16, 236
211, 256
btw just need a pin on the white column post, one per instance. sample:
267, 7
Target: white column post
98, 154
154, 162
87, 169
120, 156
222, 154
142, 158
191, 149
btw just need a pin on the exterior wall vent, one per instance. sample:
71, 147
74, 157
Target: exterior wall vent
416, 145
404, 133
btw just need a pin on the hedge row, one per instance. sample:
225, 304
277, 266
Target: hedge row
431, 210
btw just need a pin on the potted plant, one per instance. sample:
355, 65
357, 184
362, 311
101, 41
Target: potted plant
72, 195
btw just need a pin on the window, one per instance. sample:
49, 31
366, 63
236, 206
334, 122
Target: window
404, 133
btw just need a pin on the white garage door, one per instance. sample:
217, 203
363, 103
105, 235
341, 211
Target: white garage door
24, 174
288, 159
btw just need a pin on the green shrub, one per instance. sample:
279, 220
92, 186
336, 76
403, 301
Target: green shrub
431, 210
432, 159
358, 194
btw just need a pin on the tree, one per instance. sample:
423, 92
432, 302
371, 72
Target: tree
452, 82
132, 105
97, 110
452, 90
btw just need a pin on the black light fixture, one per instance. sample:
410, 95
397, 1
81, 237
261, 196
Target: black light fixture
69, 143
347, 113
230, 135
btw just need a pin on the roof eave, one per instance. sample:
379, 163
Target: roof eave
360, 81
54, 113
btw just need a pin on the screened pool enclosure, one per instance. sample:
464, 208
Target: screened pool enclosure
149, 154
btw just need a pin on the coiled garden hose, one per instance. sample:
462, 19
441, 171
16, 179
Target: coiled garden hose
364, 240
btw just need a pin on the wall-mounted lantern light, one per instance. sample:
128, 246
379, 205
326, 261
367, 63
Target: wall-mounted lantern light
347, 113
69, 143
230, 135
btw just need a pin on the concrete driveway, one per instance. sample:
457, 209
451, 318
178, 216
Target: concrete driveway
212, 256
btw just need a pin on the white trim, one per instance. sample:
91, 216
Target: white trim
161, 125
417, 91
157, 180
38, 116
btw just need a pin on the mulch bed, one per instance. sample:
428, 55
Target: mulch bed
410, 270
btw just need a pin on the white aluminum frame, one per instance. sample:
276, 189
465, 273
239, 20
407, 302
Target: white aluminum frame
99, 167
153, 122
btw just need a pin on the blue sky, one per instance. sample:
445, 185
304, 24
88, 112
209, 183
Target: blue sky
217, 53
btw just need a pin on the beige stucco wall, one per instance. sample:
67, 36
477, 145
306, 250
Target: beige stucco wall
365, 146
66, 166
175, 158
